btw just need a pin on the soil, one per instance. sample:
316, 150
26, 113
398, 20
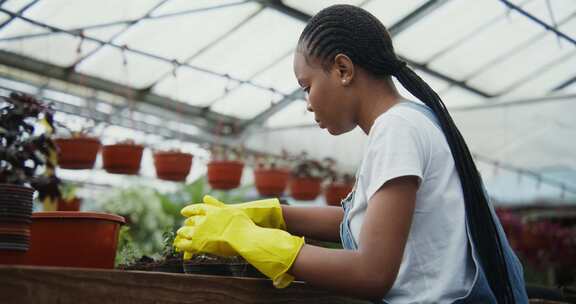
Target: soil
206, 264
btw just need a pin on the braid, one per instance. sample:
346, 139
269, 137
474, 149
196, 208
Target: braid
362, 37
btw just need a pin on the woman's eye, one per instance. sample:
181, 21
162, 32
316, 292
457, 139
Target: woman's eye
307, 90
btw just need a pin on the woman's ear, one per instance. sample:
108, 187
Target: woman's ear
344, 68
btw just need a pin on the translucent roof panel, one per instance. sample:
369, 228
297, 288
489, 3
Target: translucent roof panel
499, 78
457, 97
139, 72
70, 14
280, 76
15, 5
545, 82
295, 114
177, 6
193, 87
182, 36
256, 44
312, 7
560, 10
58, 48
245, 102
436, 35
502, 36
390, 12
104, 33
3, 17
17, 27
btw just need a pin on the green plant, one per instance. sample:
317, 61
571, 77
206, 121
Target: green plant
308, 168
226, 153
269, 162
153, 217
145, 215
68, 190
335, 176
26, 146
127, 251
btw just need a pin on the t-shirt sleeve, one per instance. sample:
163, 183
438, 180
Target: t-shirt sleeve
395, 149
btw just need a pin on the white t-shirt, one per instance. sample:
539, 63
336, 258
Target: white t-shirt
437, 266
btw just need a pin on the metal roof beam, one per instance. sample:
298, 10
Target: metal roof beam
207, 120
122, 31
538, 21
19, 13
208, 46
517, 102
134, 51
129, 21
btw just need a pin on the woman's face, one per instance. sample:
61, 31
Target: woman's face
328, 95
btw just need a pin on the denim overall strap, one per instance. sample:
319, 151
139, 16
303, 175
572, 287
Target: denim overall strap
480, 292
346, 236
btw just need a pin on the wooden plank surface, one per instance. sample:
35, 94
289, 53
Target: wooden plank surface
26, 284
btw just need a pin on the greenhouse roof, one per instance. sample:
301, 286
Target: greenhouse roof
187, 70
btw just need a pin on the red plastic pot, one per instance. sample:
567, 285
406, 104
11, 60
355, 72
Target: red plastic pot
73, 239
122, 158
72, 204
305, 189
336, 192
225, 174
77, 152
271, 182
172, 166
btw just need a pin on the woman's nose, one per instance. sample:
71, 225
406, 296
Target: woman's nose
309, 106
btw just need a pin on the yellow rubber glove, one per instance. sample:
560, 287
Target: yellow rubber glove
265, 213
228, 232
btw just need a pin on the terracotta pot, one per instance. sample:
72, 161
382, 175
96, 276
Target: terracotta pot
271, 182
122, 158
15, 218
73, 239
72, 204
172, 166
77, 152
225, 175
336, 192
305, 189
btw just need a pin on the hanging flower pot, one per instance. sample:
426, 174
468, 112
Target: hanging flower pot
122, 158
15, 218
71, 204
334, 193
271, 182
172, 165
225, 174
92, 243
77, 152
306, 180
305, 188
338, 187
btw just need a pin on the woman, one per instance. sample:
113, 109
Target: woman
417, 227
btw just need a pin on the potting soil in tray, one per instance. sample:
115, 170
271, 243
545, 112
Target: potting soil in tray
224, 266
199, 264
170, 263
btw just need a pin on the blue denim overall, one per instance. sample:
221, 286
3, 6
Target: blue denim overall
480, 292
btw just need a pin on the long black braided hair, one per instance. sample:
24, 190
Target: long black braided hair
363, 38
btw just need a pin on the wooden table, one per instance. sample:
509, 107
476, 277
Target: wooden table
31, 284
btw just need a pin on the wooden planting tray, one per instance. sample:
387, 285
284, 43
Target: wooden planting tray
31, 284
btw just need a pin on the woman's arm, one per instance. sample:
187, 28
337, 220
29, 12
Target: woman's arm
320, 223
370, 271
